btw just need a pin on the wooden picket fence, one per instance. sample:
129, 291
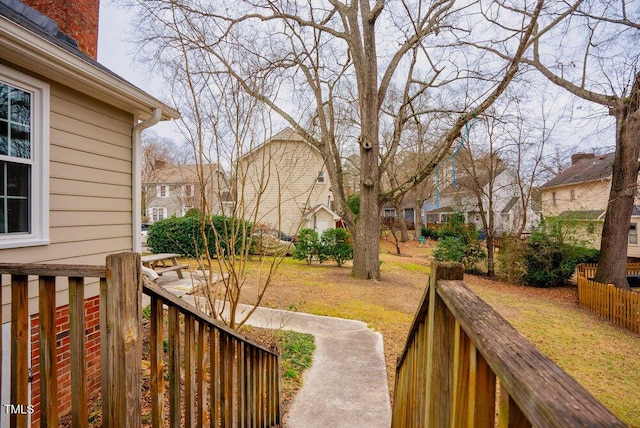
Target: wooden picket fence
465, 366
621, 307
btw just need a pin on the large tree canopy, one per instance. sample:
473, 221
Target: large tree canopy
350, 76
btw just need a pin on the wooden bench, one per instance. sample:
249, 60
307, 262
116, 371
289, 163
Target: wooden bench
164, 262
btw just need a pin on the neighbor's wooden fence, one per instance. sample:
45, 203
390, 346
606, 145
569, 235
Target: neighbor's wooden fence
462, 359
621, 307
215, 376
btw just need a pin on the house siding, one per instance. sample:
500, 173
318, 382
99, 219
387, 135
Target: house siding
587, 196
288, 173
90, 154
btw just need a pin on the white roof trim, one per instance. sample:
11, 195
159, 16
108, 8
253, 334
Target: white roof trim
325, 208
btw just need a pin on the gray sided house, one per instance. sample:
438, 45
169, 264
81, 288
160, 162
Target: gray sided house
172, 190
458, 195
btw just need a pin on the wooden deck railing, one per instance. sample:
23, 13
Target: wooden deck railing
215, 376
462, 359
621, 307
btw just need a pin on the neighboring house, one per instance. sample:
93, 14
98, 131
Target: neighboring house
283, 184
408, 211
174, 190
580, 194
455, 194
69, 156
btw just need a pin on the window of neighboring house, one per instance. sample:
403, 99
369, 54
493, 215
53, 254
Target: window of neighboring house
157, 213
572, 195
163, 191
187, 190
633, 234
553, 198
321, 177
24, 160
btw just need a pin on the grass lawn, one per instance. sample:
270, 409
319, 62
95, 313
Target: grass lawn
605, 359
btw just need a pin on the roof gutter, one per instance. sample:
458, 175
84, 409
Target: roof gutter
136, 185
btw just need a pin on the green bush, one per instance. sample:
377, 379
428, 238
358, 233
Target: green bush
449, 249
511, 259
335, 244
465, 249
427, 232
183, 235
549, 261
308, 246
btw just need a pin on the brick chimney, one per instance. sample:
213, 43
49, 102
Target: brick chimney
577, 157
78, 19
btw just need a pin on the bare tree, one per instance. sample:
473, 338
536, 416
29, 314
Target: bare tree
330, 65
600, 65
157, 153
225, 128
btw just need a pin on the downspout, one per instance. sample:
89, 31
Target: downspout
136, 188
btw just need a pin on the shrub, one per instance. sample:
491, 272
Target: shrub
335, 244
459, 243
183, 235
427, 232
308, 246
465, 249
511, 259
549, 261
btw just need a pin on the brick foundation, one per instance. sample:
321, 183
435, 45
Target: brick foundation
92, 343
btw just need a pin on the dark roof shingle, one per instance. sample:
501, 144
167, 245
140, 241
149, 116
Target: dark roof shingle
597, 168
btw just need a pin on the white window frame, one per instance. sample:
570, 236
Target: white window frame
152, 218
159, 190
321, 178
633, 234
191, 191
39, 191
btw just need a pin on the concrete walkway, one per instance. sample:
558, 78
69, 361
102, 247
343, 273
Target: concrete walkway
347, 384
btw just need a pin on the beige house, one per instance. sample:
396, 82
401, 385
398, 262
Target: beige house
580, 194
69, 150
172, 190
283, 184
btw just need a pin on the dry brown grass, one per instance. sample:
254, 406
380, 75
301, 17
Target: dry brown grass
602, 357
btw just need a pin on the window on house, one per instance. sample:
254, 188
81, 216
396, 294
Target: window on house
158, 214
321, 177
187, 190
553, 198
633, 234
572, 195
24, 174
163, 191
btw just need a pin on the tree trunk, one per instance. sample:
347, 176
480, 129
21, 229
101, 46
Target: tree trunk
491, 265
367, 242
417, 216
612, 264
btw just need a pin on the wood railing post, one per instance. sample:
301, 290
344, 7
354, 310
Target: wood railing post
440, 347
121, 340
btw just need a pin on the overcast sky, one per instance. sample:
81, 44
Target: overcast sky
117, 54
